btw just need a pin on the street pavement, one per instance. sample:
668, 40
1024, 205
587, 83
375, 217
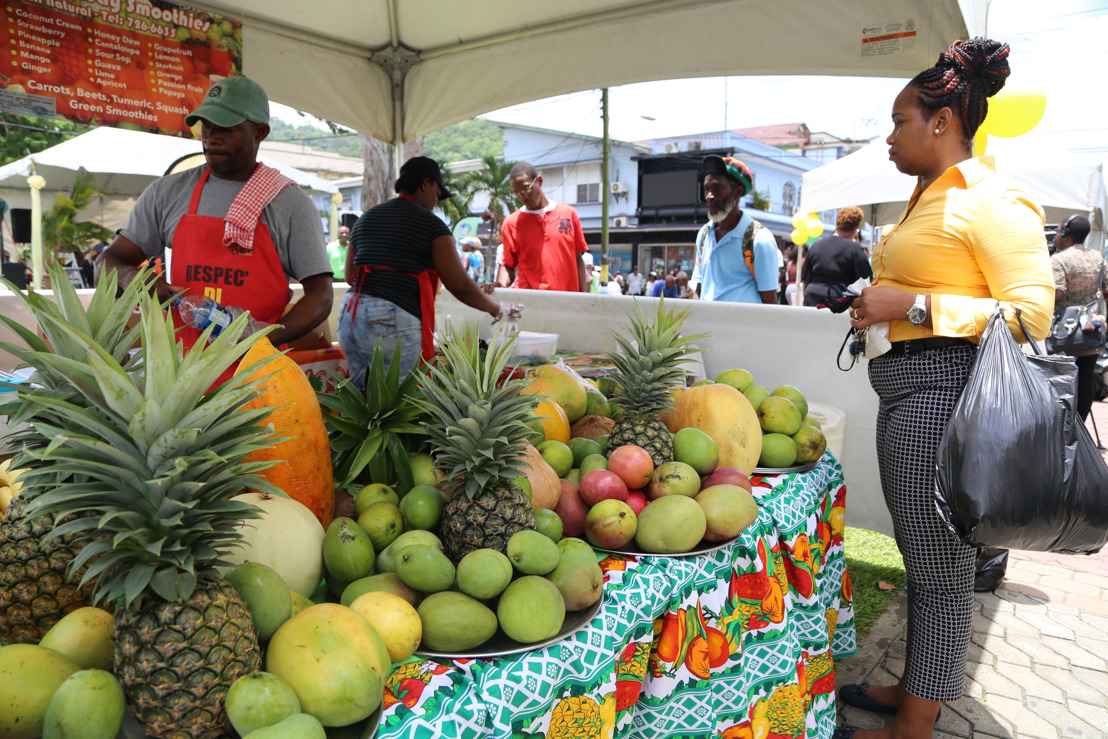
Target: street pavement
1038, 660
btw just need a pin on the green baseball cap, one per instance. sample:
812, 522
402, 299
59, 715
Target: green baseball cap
231, 101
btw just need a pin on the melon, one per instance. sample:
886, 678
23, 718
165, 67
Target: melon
288, 538
727, 416
561, 387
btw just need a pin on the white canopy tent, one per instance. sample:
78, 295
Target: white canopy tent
1059, 181
123, 162
396, 70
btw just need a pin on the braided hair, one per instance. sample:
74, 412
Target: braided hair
964, 78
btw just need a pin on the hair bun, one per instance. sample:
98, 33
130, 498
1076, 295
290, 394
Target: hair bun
980, 60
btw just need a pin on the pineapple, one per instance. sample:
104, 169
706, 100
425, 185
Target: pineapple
646, 370
478, 431
370, 428
35, 591
153, 462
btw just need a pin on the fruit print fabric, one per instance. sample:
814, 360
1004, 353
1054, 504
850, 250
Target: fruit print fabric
735, 643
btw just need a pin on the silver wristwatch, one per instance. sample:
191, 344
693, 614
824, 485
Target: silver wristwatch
917, 314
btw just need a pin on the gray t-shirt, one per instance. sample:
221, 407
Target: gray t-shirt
291, 217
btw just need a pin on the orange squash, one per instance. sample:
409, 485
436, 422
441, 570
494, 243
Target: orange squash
726, 415
303, 468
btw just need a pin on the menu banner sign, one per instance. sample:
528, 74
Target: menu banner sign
138, 64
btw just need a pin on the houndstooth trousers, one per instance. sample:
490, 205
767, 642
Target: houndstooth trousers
917, 395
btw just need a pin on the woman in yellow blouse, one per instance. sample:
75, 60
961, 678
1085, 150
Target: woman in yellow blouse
966, 241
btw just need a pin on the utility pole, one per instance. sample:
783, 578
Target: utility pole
605, 188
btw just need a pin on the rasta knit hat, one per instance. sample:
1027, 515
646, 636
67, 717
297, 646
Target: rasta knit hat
729, 167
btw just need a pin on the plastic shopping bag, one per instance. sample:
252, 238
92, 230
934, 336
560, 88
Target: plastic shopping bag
1016, 468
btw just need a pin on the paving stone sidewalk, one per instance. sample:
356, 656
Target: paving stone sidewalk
1038, 661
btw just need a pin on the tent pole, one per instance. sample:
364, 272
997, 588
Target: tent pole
605, 187
36, 183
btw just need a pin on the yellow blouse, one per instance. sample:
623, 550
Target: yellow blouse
969, 240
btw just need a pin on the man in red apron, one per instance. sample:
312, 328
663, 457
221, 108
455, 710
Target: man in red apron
237, 231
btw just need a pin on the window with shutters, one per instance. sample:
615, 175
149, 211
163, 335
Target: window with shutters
553, 183
588, 192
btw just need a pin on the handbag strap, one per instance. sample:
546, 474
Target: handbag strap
1026, 333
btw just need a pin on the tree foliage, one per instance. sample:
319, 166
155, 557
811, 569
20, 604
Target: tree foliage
337, 139
461, 188
21, 135
62, 233
473, 139
493, 179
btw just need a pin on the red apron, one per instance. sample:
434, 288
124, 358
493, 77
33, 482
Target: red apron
428, 282
253, 280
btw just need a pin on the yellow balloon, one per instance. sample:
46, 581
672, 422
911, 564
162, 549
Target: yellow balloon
1014, 112
815, 228
980, 143
800, 221
798, 238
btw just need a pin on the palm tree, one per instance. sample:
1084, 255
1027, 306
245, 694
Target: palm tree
456, 207
62, 233
493, 179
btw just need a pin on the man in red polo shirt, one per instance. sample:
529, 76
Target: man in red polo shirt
543, 241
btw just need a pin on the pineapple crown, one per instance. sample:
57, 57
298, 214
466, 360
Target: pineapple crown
151, 457
368, 428
649, 364
478, 421
104, 322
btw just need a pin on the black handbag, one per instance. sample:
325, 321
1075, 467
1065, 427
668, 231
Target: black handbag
1068, 334
1016, 468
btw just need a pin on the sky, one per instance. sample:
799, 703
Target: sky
1059, 47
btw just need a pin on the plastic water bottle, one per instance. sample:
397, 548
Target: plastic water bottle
201, 312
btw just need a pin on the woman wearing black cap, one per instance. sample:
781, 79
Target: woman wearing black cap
966, 241
399, 250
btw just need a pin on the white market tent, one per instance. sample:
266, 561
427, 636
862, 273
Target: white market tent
396, 70
123, 163
1059, 181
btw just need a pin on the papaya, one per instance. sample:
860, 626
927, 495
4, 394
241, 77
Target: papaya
560, 387
727, 416
546, 487
303, 459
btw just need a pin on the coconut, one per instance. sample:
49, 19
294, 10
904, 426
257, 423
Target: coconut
591, 427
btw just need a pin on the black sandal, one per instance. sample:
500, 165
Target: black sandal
855, 695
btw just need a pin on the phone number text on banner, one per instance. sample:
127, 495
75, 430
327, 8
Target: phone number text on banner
129, 63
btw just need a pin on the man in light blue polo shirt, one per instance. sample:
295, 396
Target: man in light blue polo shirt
736, 258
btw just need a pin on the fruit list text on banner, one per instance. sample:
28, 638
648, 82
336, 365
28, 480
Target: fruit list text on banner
138, 64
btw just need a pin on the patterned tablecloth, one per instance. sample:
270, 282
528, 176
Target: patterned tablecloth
736, 643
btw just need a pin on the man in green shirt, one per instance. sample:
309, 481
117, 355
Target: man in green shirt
336, 252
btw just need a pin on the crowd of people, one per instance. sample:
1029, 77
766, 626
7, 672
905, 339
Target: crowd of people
967, 241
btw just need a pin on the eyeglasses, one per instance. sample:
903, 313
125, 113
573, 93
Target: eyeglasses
525, 191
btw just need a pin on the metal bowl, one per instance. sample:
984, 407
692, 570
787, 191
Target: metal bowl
785, 470
633, 550
366, 729
500, 645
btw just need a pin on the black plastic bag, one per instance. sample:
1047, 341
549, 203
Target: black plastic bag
1016, 468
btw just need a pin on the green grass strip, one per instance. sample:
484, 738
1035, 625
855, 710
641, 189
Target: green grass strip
872, 558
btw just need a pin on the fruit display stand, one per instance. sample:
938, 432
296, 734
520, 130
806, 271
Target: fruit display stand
739, 638
778, 344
